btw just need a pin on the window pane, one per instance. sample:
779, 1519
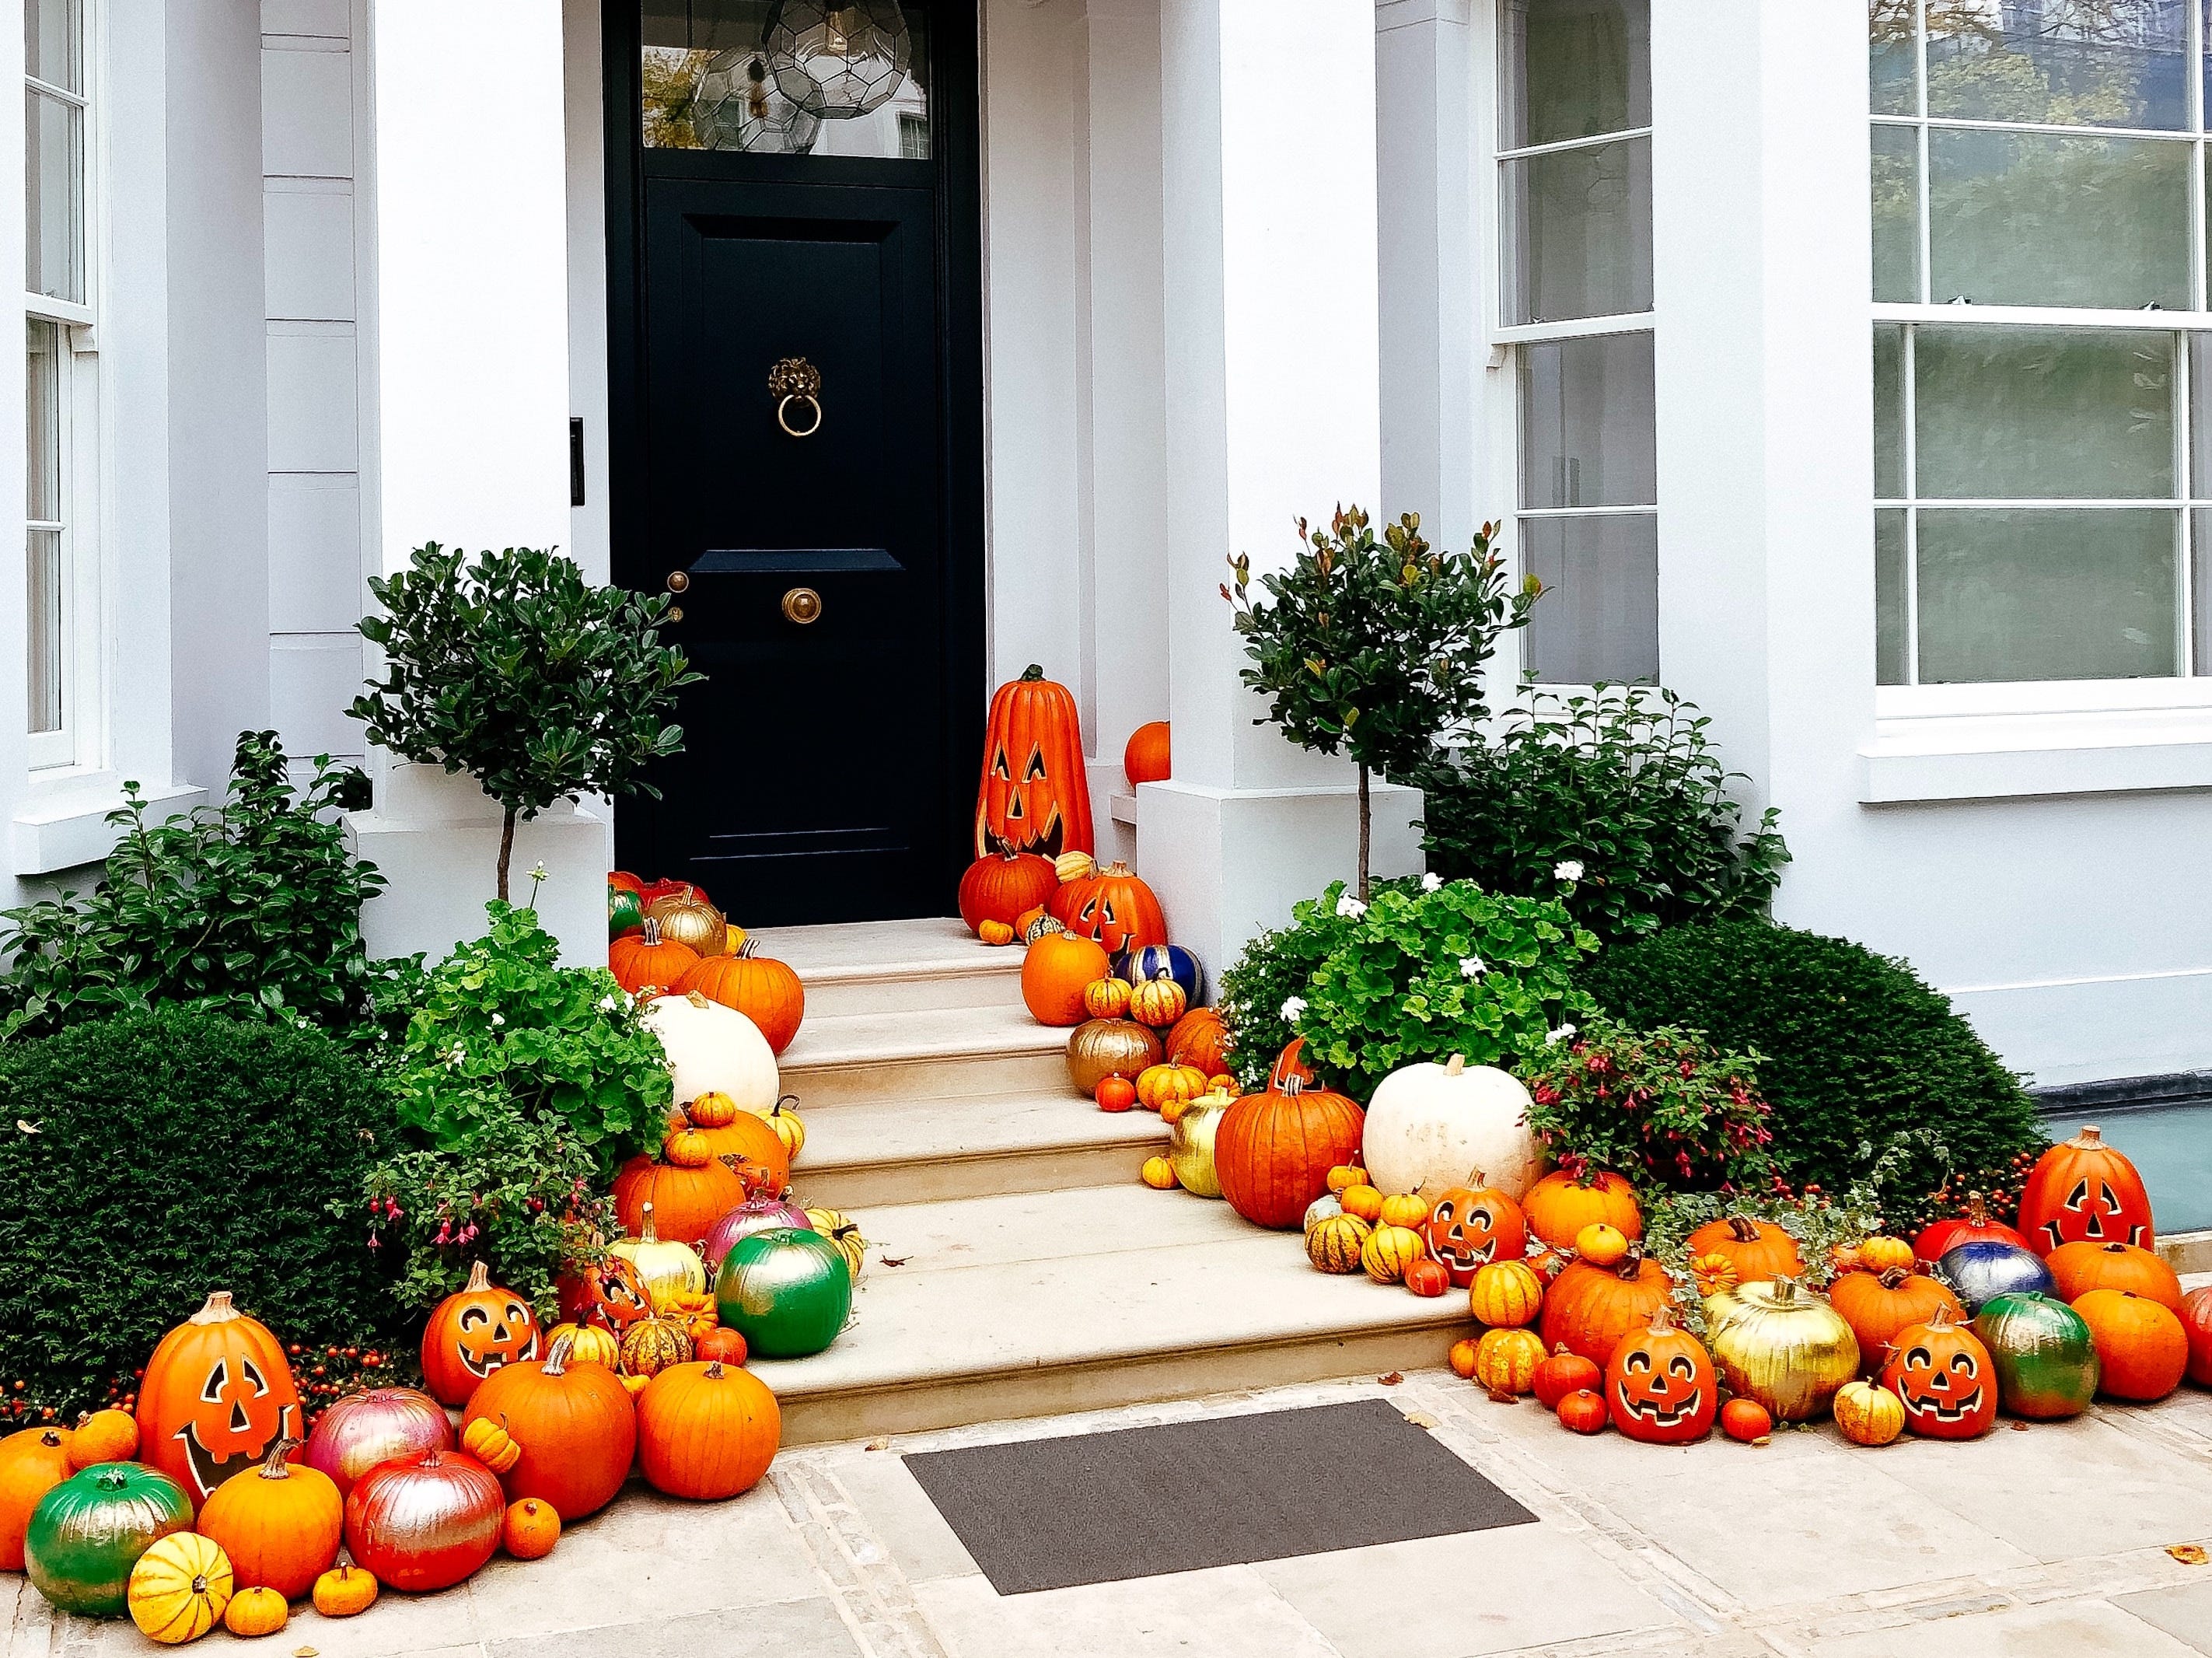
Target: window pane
745, 75
1888, 413
2024, 218
53, 36
1890, 626
2043, 414
43, 592
44, 494
54, 188
1891, 49
1599, 616
1588, 437
2200, 421
1578, 231
2066, 595
1574, 68
2201, 586
1897, 214
2071, 63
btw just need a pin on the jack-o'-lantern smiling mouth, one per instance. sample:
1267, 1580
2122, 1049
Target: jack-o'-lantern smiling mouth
209, 1470
1955, 1409
1464, 1257
1658, 1412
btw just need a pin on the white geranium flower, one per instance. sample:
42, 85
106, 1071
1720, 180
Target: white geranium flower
1292, 1008
610, 1004
1567, 870
1565, 1032
1472, 966
499, 1018
537, 872
1430, 881
1350, 907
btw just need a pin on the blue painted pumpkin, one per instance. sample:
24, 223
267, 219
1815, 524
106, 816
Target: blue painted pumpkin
1983, 1270
1148, 961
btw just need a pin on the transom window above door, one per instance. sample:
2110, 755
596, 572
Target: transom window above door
787, 77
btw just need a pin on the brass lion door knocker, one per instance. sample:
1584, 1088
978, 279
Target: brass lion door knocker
795, 380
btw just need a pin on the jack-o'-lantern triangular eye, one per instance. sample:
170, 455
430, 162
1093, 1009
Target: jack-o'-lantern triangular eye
1034, 772
253, 1377
999, 768
217, 1378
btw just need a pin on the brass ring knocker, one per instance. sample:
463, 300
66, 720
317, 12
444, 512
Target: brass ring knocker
794, 380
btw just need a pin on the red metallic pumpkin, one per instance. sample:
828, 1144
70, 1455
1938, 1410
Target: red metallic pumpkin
215, 1396
427, 1524
1002, 885
385, 1424
2197, 1325
1975, 1226
1113, 907
1035, 791
2084, 1189
1273, 1150
472, 1334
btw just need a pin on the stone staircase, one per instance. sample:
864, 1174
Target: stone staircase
1036, 1274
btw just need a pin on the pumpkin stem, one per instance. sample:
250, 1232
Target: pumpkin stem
2089, 1136
1632, 1265
1894, 1276
1032, 674
715, 1370
217, 1309
479, 1276
696, 1000
52, 1436
651, 934
1455, 1064
1745, 1228
277, 1464
556, 1360
645, 1234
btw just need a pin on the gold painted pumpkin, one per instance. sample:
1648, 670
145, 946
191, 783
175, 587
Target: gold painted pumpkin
685, 916
1190, 1144
1506, 1361
1158, 1003
179, 1588
1389, 1250
1100, 1048
1337, 1244
1506, 1294
1781, 1345
1868, 1414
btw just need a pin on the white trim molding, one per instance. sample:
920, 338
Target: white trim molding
65, 828
1992, 756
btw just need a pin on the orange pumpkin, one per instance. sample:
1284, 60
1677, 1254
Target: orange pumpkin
760, 987
1471, 1226
1583, 1411
2078, 1268
1944, 1377
707, 1430
762, 1163
1879, 1305
32, 1461
1056, 970
686, 1202
215, 1396
2142, 1352
1746, 1420
1561, 1205
473, 1332
1660, 1383
1035, 791
1562, 1373
575, 1424
1760, 1251
1001, 885
1274, 1150
109, 1436
2083, 1189
644, 961
530, 1529
1146, 758
1588, 1309
1113, 906
1157, 1002
1199, 1038
279, 1524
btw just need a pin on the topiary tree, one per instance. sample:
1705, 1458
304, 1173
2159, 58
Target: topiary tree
155, 1156
1860, 1060
515, 670
1375, 648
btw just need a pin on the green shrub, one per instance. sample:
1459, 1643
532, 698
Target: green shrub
252, 907
1424, 970
1624, 783
1861, 1061
505, 1031
155, 1156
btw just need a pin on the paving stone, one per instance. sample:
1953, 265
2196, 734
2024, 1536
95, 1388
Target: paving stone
1454, 1597
788, 1629
2185, 1611
2075, 1629
1230, 1612
899, 1512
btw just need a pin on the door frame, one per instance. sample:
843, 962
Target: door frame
955, 151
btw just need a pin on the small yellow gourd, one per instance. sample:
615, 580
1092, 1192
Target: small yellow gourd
1406, 1210
256, 1611
1867, 1413
1158, 1174
1336, 1244
1506, 1361
1506, 1294
1106, 998
490, 1442
1389, 1251
179, 1588
1600, 1244
1362, 1200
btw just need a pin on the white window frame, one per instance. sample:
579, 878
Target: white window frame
78, 746
1507, 361
2192, 687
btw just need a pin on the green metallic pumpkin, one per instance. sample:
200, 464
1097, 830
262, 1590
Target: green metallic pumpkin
625, 913
88, 1532
2042, 1351
787, 1291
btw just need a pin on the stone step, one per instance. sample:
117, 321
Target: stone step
946, 1053
867, 1154
1042, 1302
892, 966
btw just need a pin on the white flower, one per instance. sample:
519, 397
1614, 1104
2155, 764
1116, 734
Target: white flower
1472, 966
1564, 1033
499, 1018
537, 872
610, 1004
1567, 870
1350, 907
1292, 1008
1430, 881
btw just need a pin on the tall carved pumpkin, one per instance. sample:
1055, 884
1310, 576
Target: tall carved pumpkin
1035, 794
1113, 906
2084, 1191
217, 1395
1274, 1149
472, 1334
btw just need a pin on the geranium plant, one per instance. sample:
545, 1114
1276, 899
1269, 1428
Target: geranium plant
1375, 648
1664, 1108
514, 669
1421, 969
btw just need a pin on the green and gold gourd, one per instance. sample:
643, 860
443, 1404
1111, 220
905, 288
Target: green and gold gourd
2042, 1351
88, 1532
787, 1291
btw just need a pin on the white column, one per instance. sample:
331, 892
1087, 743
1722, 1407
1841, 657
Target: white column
470, 366
1273, 413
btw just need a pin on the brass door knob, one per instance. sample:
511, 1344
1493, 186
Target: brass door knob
802, 605
679, 581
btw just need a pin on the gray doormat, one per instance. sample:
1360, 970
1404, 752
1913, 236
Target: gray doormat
1224, 1491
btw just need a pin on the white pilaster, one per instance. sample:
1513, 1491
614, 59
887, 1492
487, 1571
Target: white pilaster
471, 375
1274, 413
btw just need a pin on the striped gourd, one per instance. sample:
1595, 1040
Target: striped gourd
1335, 1244
1389, 1251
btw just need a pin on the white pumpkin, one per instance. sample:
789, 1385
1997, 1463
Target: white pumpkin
713, 1049
1430, 1126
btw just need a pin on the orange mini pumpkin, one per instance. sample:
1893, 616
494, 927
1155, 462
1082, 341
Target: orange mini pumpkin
1562, 1373
216, 1394
1146, 756
1034, 796
1057, 969
1001, 885
472, 1333
530, 1529
1108, 998
109, 1436
644, 961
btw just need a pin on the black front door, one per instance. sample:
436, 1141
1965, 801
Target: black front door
797, 388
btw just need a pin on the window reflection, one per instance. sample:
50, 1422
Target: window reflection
794, 77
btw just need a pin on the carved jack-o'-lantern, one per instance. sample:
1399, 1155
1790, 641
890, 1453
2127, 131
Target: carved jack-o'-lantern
472, 1333
2083, 1190
1471, 1227
215, 1396
1036, 793
613, 1296
1113, 906
1659, 1386
1942, 1373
